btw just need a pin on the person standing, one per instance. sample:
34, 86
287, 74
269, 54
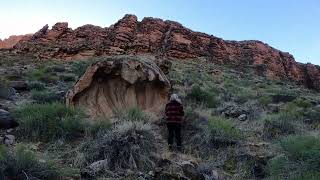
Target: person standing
174, 118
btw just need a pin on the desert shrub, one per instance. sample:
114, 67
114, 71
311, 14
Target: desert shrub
44, 96
42, 74
136, 114
265, 100
58, 68
313, 115
23, 164
221, 130
129, 145
36, 85
6, 91
244, 94
49, 121
132, 114
99, 127
302, 103
80, 67
67, 77
280, 124
199, 95
190, 115
301, 159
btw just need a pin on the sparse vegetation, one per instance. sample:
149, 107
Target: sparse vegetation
129, 145
67, 77
265, 100
44, 96
278, 125
301, 159
132, 114
79, 67
201, 96
36, 85
99, 127
43, 74
5, 91
22, 163
214, 96
49, 121
222, 131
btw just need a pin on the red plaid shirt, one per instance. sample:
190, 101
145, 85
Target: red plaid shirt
174, 112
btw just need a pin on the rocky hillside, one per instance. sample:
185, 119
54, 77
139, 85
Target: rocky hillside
237, 125
165, 39
12, 40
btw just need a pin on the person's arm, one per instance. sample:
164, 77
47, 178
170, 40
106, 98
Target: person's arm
182, 115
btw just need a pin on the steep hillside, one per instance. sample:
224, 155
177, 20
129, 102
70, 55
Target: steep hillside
237, 125
165, 39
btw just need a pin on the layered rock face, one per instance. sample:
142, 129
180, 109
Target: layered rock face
165, 39
13, 40
118, 84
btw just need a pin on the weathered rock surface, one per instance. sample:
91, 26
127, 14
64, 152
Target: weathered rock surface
166, 39
118, 84
13, 40
6, 120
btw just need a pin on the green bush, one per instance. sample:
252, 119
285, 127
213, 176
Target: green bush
58, 68
132, 114
313, 115
67, 77
136, 114
190, 115
265, 100
23, 164
80, 67
44, 96
49, 121
244, 94
302, 103
199, 95
277, 125
221, 130
42, 74
301, 159
99, 127
36, 85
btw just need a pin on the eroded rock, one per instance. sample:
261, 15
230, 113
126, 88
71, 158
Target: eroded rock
6, 120
120, 83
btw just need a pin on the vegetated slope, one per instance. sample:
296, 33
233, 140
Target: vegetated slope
165, 39
234, 121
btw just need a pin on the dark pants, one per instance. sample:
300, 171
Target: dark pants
174, 130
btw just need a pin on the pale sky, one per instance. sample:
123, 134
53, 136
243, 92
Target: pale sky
289, 25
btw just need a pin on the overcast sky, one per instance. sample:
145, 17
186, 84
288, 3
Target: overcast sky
289, 25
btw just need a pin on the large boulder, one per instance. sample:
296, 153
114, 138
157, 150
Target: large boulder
120, 83
6, 120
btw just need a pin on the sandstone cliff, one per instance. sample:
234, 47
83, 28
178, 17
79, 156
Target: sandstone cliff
13, 40
165, 39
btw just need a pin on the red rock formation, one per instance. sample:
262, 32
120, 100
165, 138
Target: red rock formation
12, 40
166, 39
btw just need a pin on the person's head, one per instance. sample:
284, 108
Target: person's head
175, 97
